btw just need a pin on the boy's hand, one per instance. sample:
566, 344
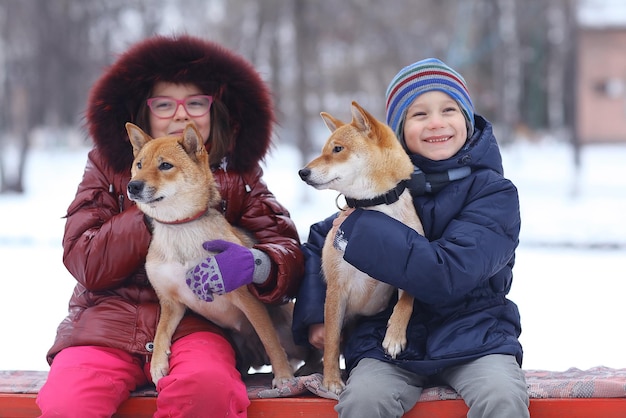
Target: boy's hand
338, 240
343, 214
316, 336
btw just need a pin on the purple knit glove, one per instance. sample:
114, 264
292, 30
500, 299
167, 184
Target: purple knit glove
231, 267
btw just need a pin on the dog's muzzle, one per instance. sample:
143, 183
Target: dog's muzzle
135, 189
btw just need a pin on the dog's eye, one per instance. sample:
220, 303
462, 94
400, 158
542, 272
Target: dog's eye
165, 166
337, 148
139, 165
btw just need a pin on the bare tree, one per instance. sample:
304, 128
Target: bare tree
52, 52
316, 55
20, 81
510, 63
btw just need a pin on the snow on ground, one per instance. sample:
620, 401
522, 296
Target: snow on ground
569, 279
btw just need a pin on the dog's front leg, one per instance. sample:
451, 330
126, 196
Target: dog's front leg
260, 319
395, 337
171, 314
334, 312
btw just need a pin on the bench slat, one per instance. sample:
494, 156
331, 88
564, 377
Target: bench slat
16, 405
553, 394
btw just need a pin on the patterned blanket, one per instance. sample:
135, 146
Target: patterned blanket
597, 382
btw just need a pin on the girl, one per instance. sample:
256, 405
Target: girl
102, 349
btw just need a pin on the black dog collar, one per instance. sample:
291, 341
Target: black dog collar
388, 198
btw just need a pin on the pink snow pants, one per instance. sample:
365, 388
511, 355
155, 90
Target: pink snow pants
91, 381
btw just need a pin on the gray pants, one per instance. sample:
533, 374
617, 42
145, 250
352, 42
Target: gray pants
493, 386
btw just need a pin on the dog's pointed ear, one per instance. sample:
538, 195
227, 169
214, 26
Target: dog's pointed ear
137, 137
192, 140
361, 119
331, 123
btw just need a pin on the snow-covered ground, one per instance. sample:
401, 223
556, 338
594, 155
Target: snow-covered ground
569, 278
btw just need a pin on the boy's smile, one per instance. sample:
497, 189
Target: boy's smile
434, 126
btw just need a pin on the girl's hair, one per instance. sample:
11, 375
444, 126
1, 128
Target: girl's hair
220, 136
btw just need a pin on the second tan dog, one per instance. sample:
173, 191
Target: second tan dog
365, 162
172, 183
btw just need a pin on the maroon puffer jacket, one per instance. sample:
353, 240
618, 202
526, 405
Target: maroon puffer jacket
106, 238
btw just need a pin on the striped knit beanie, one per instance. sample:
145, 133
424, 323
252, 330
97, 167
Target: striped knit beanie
421, 77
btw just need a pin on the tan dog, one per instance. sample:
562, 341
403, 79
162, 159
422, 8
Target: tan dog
172, 183
362, 160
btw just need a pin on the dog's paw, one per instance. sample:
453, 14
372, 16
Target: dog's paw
280, 382
333, 386
315, 385
159, 367
394, 344
158, 373
285, 387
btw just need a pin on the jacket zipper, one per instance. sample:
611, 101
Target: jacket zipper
120, 197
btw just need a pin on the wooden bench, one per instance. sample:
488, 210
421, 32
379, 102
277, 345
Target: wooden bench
17, 400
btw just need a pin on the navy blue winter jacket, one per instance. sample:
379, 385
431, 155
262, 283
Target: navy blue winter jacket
459, 272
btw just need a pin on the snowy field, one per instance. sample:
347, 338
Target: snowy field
569, 278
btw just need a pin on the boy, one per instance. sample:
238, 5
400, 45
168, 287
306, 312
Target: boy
464, 331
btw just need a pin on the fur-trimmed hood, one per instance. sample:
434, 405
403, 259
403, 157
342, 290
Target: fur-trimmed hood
117, 95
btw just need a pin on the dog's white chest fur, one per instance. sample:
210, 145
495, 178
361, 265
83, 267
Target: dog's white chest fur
167, 265
365, 295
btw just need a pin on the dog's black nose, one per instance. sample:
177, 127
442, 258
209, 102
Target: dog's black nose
304, 173
135, 187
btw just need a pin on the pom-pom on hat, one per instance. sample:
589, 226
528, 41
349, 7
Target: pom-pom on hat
421, 77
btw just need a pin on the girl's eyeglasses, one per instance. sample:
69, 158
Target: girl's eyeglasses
166, 107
